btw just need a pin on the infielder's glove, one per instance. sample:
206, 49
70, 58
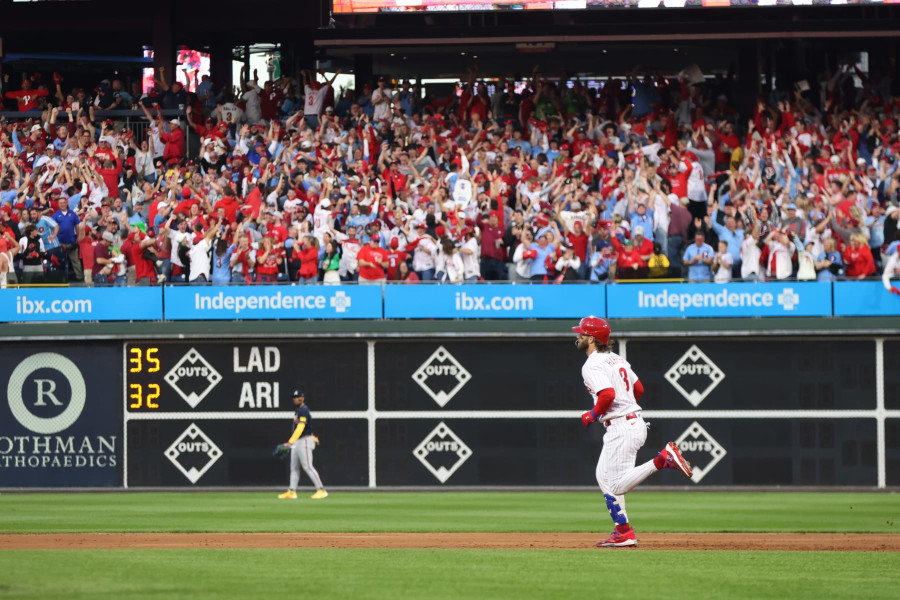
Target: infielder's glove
281, 451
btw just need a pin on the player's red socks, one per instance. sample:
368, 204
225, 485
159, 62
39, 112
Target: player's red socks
660, 461
622, 528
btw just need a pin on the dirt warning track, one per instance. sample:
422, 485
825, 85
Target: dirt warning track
850, 542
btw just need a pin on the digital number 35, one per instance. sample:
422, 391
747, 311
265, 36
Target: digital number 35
135, 360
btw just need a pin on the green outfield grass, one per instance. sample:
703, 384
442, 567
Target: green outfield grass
323, 574
446, 574
448, 511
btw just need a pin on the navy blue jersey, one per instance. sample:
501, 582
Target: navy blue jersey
303, 416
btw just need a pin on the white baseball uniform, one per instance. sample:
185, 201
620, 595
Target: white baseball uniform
616, 471
891, 270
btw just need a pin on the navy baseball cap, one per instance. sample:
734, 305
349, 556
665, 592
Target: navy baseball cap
298, 393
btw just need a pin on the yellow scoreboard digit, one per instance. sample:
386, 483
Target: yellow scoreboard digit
141, 368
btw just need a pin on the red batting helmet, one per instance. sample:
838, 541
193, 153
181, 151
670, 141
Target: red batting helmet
594, 327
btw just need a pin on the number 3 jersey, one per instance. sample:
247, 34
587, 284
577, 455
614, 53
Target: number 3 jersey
604, 370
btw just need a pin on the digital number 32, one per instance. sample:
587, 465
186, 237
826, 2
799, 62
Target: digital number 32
137, 394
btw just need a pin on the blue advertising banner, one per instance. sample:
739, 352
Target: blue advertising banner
494, 301
864, 298
273, 302
773, 299
81, 304
60, 425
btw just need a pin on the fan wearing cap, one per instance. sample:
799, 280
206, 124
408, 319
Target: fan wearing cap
835, 172
199, 253
68, 223
493, 252
32, 253
173, 153
142, 254
110, 169
302, 443
642, 217
269, 99
603, 260
382, 98
103, 262
724, 224
323, 217
373, 260
397, 256
791, 222
615, 390
629, 264
568, 265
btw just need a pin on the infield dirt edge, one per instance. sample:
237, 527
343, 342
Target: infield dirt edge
809, 542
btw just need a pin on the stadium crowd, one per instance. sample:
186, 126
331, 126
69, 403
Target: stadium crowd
639, 178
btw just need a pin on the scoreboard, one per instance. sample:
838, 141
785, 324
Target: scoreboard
490, 411
242, 377
214, 410
501, 412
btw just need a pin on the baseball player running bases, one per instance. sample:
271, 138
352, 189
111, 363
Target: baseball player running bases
615, 390
302, 444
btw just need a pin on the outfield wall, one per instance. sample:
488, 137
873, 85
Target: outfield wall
463, 410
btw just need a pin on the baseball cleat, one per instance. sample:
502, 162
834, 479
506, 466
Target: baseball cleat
319, 495
674, 460
288, 495
619, 540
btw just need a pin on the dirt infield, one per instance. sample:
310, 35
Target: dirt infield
498, 541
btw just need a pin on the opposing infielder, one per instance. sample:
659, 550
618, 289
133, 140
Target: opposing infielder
302, 444
615, 390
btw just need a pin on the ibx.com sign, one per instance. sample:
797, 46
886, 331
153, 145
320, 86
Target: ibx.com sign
59, 423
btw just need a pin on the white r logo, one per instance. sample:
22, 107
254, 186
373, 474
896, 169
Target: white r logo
46, 360
41, 392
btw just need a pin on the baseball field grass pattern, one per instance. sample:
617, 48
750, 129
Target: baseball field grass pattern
425, 573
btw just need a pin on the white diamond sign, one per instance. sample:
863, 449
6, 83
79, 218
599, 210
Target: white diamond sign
696, 442
695, 362
441, 364
193, 366
193, 441
440, 440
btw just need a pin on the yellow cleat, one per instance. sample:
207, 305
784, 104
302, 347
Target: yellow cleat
318, 495
288, 495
